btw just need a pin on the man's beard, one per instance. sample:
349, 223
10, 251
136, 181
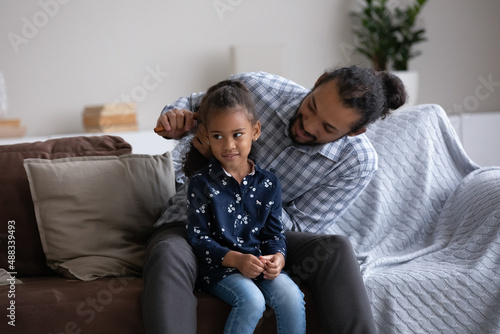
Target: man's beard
297, 118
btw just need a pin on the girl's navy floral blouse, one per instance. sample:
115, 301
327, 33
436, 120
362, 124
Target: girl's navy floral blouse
224, 215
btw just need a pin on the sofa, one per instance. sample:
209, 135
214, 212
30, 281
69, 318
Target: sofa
76, 214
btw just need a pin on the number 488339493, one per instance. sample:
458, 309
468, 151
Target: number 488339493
11, 244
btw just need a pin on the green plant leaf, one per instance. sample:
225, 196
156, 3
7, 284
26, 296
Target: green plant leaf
387, 37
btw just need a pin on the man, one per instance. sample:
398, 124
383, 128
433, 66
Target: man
313, 141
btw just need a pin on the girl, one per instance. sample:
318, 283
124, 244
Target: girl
234, 219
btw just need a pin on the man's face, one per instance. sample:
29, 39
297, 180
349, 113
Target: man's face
321, 117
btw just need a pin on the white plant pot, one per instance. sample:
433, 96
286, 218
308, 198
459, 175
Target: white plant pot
410, 80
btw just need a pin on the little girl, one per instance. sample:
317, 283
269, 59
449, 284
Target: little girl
234, 219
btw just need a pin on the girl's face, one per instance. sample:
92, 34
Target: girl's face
230, 135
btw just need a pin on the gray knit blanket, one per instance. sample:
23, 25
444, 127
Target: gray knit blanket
427, 229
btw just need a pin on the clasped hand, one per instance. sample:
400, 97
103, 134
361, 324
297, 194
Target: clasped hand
251, 266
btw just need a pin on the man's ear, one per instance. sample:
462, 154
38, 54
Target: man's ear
256, 130
358, 132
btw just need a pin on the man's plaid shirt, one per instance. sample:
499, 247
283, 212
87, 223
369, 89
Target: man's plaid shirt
318, 182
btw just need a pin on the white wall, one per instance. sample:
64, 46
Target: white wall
479, 135
60, 55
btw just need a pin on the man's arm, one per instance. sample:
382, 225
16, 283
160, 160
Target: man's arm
181, 131
318, 209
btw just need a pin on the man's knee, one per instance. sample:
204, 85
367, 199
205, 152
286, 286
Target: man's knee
333, 251
322, 253
328, 246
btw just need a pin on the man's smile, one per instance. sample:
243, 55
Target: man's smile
301, 135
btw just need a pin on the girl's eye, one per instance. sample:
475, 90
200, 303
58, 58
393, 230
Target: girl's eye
238, 134
217, 137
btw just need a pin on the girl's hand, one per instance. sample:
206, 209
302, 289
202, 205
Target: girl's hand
273, 265
249, 265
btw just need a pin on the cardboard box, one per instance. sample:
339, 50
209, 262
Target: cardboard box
11, 127
111, 117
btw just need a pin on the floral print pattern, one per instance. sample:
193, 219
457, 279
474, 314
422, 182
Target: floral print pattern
224, 215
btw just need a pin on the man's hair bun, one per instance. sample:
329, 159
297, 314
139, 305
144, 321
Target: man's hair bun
394, 89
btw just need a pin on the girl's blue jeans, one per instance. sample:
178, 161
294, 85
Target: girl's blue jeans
248, 299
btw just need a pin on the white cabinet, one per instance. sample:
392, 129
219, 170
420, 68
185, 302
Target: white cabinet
480, 136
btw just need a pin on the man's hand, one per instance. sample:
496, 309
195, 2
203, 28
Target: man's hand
274, 264
249, 265
200, 142
176, 122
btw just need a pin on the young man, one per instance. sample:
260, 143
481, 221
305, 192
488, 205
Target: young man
313, 141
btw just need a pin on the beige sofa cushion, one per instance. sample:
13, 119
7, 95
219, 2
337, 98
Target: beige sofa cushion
15, 197
95, 214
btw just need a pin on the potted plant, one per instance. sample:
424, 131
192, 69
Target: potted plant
386, 35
